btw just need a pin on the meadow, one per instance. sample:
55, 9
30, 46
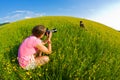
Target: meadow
92, 53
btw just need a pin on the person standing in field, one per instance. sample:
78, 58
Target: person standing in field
30, 50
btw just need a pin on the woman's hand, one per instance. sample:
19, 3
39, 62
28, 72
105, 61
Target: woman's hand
48, 39
49, 36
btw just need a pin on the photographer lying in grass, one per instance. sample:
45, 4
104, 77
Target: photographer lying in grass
29, 53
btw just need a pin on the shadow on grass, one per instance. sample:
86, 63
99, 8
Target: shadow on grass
13, 55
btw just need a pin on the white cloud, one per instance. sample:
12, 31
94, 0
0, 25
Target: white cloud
20, 14
27, 17
15, 15
19, 11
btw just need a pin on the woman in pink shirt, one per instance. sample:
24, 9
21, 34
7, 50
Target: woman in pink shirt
29, 53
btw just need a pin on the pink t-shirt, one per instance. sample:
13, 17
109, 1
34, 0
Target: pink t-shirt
27, 49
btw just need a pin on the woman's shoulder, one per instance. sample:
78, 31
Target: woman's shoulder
35, 39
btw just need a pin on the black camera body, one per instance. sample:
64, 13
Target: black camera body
48, 31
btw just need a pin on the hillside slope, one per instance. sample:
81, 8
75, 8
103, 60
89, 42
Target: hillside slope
90, 53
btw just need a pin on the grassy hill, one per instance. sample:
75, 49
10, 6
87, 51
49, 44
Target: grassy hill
92, 53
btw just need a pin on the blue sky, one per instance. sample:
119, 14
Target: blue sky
103, 11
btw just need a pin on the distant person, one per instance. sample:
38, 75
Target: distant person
81, 24
30, 50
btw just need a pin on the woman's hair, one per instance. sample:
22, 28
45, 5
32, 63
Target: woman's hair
38, 30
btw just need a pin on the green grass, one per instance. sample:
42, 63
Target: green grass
78, 54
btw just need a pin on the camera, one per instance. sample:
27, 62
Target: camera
48, 31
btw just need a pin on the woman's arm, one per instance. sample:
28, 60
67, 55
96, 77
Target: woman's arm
45, 41
45, 49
